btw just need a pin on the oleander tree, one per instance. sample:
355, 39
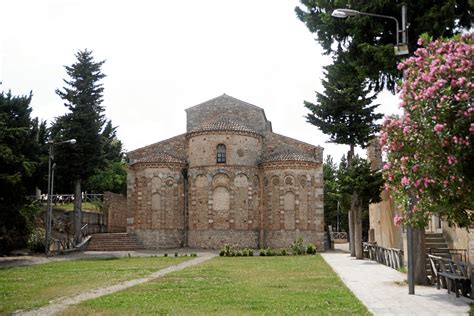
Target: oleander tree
430, 148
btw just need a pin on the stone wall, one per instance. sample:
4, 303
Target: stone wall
274, 142
241, 150
223, 206
224, 202
156, 205
458, 238
293, 203
115, 208
381, 227
471, 245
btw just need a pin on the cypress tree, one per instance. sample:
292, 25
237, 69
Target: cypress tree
84, 122
345, 113
19, 160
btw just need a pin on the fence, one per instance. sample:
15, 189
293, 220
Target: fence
68, 243
338, 236
388, 256
69, 198
456, 254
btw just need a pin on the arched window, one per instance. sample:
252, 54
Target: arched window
221, 153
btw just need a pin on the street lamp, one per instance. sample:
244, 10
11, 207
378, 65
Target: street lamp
400, 48
49, 210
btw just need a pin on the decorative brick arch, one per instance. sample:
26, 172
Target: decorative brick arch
241, 180
221, 179
200, 181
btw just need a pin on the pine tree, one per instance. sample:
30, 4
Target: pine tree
112, 174
84, 123
19, 160
370, 40
344, 110
345, 113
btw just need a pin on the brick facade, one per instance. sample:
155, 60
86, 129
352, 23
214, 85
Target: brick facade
268, 191
115, 206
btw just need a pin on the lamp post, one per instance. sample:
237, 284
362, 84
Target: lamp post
400, 49
49, 210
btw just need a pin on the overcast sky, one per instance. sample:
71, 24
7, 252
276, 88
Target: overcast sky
165, 56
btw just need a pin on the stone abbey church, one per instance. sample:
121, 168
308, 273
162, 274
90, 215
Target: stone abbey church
228, 179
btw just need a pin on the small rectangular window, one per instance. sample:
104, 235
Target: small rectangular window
220, 153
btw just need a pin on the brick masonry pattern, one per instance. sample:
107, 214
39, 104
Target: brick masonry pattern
269, 191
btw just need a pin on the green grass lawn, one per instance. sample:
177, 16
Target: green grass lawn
238, 285
34, 286
86, 206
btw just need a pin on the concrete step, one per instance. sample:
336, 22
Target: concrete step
436, 245
114, 242
434, 235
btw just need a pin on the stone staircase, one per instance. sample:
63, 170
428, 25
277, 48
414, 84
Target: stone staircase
114, 242
438, 246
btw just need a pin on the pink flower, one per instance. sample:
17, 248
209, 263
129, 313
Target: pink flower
405, 181
452, 160
438, 128
397, 219
471, 129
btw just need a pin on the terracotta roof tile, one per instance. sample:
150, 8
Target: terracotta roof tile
288, 155
160, 157
224, 124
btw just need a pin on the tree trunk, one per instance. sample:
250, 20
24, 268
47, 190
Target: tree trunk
77, 209
359, 254
351, 214
351, 232
419, 254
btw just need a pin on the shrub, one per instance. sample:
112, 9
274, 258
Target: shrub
250, 252
193, 254
245, 252
165, 255
222, 253
36, 240
270, 252
283, 252
176, 254
311, 249
262, 252
297, 247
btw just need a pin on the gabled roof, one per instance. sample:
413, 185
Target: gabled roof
224, 98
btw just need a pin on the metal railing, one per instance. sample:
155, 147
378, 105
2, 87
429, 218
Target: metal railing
338, 235
68, 243
69, 198
456, 254
390, 257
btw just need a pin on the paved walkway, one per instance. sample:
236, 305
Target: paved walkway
384, 292
63, 303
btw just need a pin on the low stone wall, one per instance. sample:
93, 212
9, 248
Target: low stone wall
216, 239
115, 207
160, 239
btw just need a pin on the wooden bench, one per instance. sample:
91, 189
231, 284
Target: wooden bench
452, 275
